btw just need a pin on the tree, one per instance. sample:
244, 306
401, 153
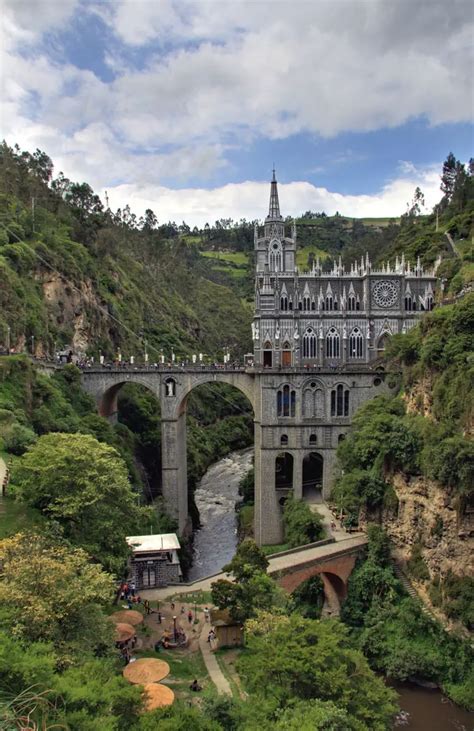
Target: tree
83, 485
150, 221
448, 176
248, 559
48, 591
309, 659
301, 524
244, 600
313, 715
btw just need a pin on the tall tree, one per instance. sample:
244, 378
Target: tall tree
83, 485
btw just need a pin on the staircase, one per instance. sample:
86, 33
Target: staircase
411, 591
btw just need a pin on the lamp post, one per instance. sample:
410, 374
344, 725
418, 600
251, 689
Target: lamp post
174, 628
8, 339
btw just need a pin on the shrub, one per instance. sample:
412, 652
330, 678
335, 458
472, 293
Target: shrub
301, 524
18, 439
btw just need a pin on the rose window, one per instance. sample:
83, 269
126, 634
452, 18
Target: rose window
385, 293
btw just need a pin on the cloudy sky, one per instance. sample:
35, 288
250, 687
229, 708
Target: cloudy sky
184, 106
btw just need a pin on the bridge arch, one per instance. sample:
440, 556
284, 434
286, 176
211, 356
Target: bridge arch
105, 390
174, 402
334, 572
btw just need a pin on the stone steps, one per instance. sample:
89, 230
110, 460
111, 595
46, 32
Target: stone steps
411, 591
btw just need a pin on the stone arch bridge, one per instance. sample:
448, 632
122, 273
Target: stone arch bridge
295, 433
332, 560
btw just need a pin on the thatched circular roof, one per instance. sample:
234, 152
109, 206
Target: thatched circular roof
146, 670
127, 616
157, 696
123, 632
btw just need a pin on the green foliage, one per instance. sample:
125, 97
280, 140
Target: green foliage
416, 564
308, 598
49, 591
247, 487
18, 438
309, 659
402, 641
372, 583
244, 599
248, 559
314, 715
455, 595
301, 524
83, 485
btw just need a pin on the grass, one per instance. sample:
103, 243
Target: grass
235, 257
231, 271
303, 253
16, 517
275, 548
192, 597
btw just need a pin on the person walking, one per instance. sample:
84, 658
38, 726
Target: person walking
146, 605
190, 617
206, 614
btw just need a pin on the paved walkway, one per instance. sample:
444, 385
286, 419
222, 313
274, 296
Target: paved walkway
210, 661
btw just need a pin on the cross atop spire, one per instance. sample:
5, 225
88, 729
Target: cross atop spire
274, 207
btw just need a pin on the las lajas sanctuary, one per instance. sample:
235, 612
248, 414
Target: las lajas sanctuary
320, 332
317, 336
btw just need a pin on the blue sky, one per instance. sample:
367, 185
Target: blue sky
184, 106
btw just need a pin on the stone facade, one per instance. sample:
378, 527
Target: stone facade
317, 336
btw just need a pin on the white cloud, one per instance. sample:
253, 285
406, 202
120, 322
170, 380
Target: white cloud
218, 75
250, 199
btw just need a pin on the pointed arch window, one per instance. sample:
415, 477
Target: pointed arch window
356, 344
329, 302
306, 304
340, 401
408, 303
275, 259
351, 303
284, 303
333, 344
309, 344
286, 401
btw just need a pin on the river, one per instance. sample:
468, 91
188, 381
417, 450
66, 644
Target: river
218, 491
214, 546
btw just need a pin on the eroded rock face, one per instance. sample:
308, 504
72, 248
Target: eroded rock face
429, 515
68, 306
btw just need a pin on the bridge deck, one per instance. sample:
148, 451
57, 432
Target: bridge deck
314, 554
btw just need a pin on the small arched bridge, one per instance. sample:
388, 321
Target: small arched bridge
332, 561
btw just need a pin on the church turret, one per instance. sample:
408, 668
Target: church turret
274, 207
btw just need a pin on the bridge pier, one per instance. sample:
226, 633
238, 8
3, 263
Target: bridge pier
174, 469
268, 528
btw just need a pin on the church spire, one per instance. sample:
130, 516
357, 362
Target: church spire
274, 207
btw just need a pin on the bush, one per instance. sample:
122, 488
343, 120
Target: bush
416, 564
301, 524
18, 439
